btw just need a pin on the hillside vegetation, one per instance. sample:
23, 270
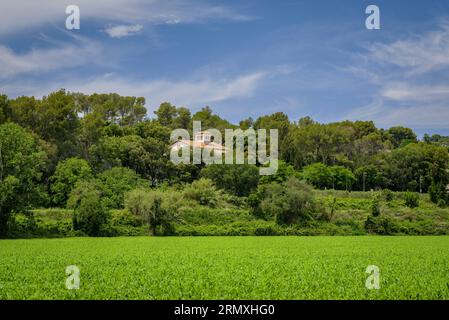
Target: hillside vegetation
74, 164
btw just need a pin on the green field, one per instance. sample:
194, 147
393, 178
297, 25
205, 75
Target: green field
226, 268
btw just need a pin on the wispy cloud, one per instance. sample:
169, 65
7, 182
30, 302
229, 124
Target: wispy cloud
20, 15
66, 55
123, 30
192, 92
416, 55
419, 93
409, 81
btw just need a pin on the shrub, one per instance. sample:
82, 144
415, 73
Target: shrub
380, 225
67, 174
82, 189
412, 199
156, 208
115, 183
388, 195
90, 214
236, 179
441, 203
290, 202
335, 177
375, 206
318, 174
438, 194
204, 192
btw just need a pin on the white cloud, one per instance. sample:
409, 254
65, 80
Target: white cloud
409, 81
190, 93
123, 30
423, 116
20, 15
407, 93
416, 55
44, 60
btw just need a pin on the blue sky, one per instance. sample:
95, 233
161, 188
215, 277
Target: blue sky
242, 58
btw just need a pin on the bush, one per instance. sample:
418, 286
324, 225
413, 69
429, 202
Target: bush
236, 179
289, 203
380, 225
67, 174
82, 189
412, 199
156, 208
115, 183
388, 195
438, 194
335, 177
90, 214
375, 206
204, 192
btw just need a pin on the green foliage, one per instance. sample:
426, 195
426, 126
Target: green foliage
144, 155
90, 215
239, 180
115, 182
342, 178
204, 192
322, 176
388, 195
158, 209
438, 194
8, 190
21, 166
318, 175
404, 169
210, 120
400, 136
67, 174
412, 199
173, 117
284, 172
380, 225
5, 109
289, 203
375, 206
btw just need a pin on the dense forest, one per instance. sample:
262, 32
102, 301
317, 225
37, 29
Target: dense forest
100, 152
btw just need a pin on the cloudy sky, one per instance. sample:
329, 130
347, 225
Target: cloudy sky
243, 58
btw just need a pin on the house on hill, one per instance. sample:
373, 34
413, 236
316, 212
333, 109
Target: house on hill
202, 139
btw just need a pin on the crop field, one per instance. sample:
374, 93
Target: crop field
226, 268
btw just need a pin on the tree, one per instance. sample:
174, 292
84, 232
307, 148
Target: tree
438, 193
115, 182
318, 175
210, 120
204, 192
291, 202
21, 165
90, 215
5, 109
400, 136
239, 180
146, 156
67, 174
154, 207
368, 177
342, 178
406, 168
166, 114
284, 172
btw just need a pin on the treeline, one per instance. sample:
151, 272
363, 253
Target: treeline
49, 146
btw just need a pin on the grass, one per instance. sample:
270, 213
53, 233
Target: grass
226, 268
